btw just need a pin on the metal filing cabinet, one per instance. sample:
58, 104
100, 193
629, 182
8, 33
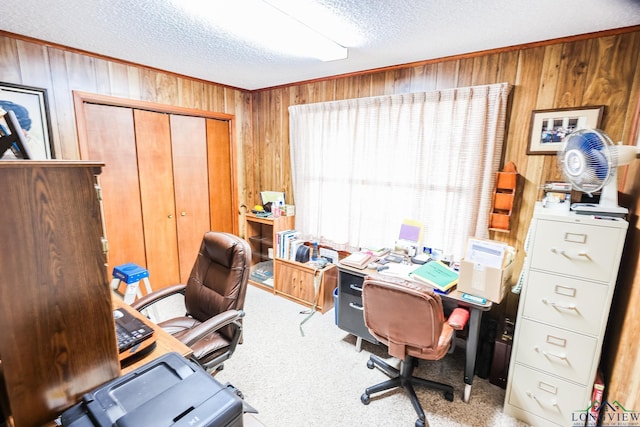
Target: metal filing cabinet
570, 276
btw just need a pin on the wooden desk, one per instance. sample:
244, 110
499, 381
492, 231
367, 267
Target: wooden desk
165, 342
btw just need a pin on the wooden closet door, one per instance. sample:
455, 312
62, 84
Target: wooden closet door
221, 176
110, 138
189, 142
147, 184
153, 146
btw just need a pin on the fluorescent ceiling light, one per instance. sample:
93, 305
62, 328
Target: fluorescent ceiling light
268, 25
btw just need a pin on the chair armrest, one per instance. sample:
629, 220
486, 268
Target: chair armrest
215, 323
158, 295
458, 318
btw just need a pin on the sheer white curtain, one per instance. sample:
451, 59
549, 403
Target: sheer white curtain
362, 166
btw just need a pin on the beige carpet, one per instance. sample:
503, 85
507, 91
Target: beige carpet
317, 379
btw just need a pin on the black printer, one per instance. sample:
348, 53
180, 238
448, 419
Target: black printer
169, 391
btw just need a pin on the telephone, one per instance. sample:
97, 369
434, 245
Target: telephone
320, 263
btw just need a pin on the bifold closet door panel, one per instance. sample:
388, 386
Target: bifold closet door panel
221, 177
111, 139
155, 169
191, 181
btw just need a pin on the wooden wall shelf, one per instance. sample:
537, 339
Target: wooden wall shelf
504, 199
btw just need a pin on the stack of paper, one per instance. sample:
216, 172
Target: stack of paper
357, 260
377, 253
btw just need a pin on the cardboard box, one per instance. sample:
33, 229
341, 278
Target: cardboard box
289, 210
486, 282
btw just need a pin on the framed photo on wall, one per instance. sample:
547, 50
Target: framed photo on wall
32, 111
550, 127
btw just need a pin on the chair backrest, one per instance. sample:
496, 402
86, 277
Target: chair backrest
218, 280
406, 316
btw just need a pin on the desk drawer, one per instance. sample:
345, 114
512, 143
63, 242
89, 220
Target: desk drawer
351, 284
556, 351
351, 317
576, 249
546, 396
573, 303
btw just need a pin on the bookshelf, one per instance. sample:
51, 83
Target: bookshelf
261, 235
289, 279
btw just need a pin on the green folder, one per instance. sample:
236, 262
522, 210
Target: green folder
436, 274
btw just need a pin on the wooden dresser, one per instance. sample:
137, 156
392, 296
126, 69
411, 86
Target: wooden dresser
570, 276
57, 339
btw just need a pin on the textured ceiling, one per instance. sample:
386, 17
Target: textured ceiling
154, 33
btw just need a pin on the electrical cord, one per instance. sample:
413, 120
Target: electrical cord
317, 279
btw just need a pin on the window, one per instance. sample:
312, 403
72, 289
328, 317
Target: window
362, 166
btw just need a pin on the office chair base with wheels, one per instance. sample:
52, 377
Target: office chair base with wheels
404, 378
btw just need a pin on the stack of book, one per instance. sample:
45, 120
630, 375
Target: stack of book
357, 260
287, 243
596, 401
436, 274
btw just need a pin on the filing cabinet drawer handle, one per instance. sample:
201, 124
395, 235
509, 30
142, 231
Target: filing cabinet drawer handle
356, 306
559, 306
552, 402
585, 255
561, 252
355, 287
582, 254
549, 355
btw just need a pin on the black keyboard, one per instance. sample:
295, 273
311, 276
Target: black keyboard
129, 330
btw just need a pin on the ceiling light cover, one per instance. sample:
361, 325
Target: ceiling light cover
261, 23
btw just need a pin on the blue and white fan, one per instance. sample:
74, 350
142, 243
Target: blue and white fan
589, 160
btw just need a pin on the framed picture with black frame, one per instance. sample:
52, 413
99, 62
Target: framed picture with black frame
549, 127
30, 106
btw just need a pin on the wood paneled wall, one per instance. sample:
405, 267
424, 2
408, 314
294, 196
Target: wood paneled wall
62, 71
601, 70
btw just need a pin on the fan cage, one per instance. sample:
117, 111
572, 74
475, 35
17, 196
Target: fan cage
587, 160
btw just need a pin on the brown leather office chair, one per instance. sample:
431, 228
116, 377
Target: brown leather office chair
407, 317
214, 298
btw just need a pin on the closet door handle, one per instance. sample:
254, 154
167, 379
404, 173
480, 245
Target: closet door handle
170, 216
183, 213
